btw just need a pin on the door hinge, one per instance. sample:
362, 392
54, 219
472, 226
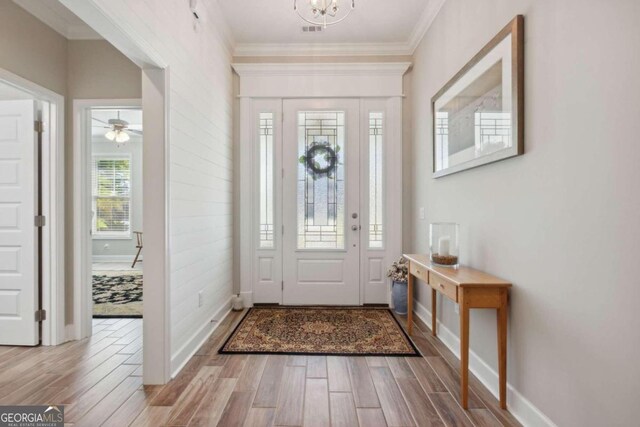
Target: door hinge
283, 229
41, 315
282, 287
38, 126
40, 220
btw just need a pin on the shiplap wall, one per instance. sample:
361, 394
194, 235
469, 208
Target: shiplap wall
201, 165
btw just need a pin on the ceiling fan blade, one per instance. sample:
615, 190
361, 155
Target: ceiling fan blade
101, 121
137, 132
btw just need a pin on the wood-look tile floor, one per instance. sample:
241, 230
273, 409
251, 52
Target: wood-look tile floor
99, 382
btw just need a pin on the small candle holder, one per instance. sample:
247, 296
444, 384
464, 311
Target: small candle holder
443, 244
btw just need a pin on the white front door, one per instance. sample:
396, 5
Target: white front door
321, 199
18, 245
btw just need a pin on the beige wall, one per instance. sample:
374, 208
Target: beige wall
32, 50
76, 69
561, 222
97, 70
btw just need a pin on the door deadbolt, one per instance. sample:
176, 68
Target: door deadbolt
354, 215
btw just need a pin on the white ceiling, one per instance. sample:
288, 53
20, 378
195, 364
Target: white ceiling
58, 17
378, 21
262, 27
272, 27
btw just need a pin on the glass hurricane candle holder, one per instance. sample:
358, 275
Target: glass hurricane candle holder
443, 243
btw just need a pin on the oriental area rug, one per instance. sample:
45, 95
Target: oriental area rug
117, 294
320, 330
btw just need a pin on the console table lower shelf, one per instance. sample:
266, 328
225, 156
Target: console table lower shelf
470, 289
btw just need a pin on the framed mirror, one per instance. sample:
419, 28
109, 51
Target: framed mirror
478, 116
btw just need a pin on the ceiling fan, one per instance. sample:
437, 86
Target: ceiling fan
118, 129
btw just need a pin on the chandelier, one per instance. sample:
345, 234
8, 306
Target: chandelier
323, 12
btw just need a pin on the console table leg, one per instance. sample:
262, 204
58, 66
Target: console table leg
433, 311
502, 350
464, 351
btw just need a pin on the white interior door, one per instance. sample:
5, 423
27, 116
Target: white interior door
321, 219
18, 244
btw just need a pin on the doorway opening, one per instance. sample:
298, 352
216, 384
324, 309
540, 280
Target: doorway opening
109, 207
115, 165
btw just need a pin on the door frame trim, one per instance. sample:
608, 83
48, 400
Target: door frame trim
82, 309
280, 81
53, 236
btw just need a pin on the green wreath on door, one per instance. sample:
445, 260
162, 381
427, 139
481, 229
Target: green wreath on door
318, 152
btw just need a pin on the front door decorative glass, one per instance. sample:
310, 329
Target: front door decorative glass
321, 189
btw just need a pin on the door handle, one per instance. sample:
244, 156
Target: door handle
355, 227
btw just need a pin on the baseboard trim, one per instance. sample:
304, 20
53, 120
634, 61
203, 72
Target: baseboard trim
519, 406
69, 333
247, 298
114, 258
187, 351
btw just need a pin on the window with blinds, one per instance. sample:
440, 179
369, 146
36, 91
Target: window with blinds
111, 190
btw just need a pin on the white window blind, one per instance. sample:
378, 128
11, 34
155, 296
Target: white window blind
111, 188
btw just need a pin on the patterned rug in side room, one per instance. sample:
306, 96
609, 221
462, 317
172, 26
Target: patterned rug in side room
117, 294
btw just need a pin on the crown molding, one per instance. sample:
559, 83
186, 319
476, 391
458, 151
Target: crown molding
321, 49
324, 69
423, 24
347, 49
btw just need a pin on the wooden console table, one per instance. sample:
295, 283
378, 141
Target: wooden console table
470, 289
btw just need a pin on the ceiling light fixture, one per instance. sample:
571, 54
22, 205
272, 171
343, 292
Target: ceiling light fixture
117, 135
325, 12
117, 132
